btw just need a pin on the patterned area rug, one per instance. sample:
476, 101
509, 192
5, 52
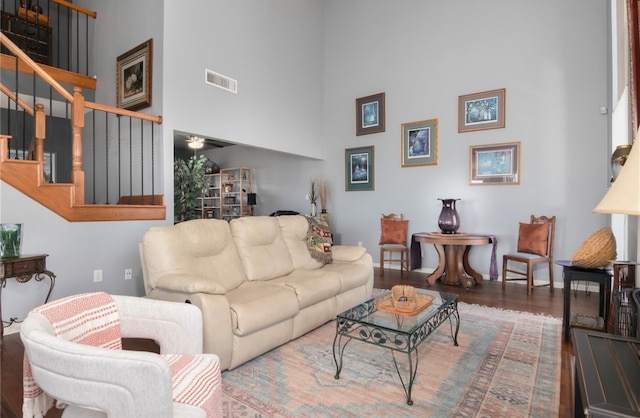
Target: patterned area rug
507, 364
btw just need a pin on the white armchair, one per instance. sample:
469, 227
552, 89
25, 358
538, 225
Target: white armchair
99, 382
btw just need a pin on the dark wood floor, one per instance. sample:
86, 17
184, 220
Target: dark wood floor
487, 293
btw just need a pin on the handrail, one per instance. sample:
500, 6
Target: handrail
123, 112
77, 8
5, 90
36, 68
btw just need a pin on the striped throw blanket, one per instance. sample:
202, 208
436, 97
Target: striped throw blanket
93, 319
90, 319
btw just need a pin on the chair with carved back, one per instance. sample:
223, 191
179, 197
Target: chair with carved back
535, 246
393, 240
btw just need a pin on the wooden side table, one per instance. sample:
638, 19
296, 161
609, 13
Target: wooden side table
23, 269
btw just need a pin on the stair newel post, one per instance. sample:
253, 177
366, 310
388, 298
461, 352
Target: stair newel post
40, 131
4, 147
77, 123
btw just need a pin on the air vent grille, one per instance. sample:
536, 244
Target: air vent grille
221, 81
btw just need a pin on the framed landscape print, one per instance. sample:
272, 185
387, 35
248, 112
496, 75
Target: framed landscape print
133, 77
358, 171
420, 143
370, 114
480, 111
494, 164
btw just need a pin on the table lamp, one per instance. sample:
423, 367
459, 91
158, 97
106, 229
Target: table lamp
623, 197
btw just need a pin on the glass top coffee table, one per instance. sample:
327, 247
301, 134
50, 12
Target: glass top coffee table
397, 332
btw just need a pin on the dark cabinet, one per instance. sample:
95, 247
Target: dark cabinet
30, 35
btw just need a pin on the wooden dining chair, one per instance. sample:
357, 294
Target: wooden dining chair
535, 246
393, 240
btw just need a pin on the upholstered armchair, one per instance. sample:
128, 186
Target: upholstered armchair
73, 356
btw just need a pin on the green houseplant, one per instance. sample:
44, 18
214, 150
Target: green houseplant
189, 184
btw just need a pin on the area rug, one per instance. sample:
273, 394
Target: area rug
507, 364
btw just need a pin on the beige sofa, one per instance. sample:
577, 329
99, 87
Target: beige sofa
254, 280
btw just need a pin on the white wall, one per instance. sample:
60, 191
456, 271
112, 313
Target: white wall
300, 67
75, 250
424, 55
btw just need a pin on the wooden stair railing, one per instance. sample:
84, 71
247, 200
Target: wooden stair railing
68, 199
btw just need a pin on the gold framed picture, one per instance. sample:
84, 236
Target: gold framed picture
133, 77
479, 111
494, 164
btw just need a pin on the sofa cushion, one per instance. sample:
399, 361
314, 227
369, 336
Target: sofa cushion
294, 230
201, 247
347, 253
185, 283
311, 286
262, 249
351, 275
258, 305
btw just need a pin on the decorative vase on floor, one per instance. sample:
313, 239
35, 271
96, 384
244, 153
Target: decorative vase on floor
449, 222
10, 237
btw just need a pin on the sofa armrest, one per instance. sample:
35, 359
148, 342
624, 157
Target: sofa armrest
190, 284
347, 253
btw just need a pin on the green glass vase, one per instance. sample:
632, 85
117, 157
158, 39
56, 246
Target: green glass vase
10, 237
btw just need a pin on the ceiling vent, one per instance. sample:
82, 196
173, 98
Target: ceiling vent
221, 81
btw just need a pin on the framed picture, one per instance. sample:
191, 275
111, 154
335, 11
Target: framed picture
370, 114
358, 172
494, 164
133, 77
420, 143
49, 163
480, 111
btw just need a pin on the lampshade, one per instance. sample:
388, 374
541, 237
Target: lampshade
251, 199
624, 194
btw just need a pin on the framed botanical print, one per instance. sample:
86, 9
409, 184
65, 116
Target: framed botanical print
359, 165
133, 77
494, 164
420, 143
370, 114
480, 111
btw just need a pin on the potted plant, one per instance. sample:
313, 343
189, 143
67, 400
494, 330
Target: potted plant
189, 184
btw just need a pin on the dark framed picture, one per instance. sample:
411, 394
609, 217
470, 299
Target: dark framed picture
133, 77
358, 171
370, 114
420, 143
494, 164
480, 111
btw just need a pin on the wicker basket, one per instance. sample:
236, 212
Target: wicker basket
404, 298
596, 251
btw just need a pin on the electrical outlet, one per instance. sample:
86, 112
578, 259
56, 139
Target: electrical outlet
97, 276
359, 243
128, 274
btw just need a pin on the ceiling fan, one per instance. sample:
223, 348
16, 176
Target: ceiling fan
195, 142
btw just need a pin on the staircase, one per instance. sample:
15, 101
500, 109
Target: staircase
119, 190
